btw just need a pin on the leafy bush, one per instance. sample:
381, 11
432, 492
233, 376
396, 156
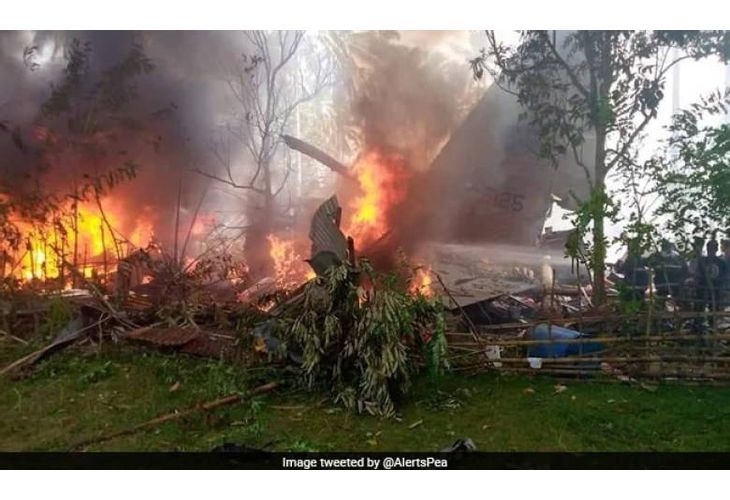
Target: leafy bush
364, 345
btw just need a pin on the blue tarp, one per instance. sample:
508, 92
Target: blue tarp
557, 349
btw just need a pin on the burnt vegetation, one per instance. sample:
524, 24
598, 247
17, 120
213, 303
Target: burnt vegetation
128, 226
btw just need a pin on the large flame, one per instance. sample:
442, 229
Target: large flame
290, 269
382, 179
81, 237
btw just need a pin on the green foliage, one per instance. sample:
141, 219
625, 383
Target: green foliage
365, 346
693, 173
639, 236
96, 374
598, 205
58, 316
610, 82
77, 64
48, 412
602, 85
83, 102
302, 446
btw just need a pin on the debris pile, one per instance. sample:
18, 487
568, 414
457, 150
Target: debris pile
362, 336
348, 329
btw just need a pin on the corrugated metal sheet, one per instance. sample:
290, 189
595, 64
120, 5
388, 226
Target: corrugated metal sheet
216, 346
325, 231
165, 337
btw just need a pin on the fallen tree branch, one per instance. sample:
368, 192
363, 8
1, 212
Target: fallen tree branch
464, 315
96, 292
176, 415
319, 155
36, 356
13, 337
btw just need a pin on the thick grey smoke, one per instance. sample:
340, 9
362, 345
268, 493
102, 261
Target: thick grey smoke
407, 92
179, 104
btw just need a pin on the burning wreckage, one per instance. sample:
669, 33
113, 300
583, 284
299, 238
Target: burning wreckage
497, 300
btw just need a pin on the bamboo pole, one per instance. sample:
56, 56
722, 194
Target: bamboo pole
595, 319
466, 317
76, 236
62, 259
177, 218
192, 223
601, 340
106, 269
44, 266
83, 265
29, 246
176, 415
55, 244
619, 359
694, 376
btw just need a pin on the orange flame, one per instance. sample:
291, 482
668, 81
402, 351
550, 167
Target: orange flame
39, 256
289, 268
382, 183
421, 283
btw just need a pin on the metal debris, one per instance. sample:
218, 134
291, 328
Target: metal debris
165, 337
329, 245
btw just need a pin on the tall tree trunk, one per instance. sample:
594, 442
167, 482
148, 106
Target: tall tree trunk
599, 260
257, 246
599, 243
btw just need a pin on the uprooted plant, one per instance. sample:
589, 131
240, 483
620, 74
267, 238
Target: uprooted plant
364, 345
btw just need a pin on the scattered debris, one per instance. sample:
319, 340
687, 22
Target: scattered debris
70, 333
560, 388
13, 337
178, 414
460, 445
416, 424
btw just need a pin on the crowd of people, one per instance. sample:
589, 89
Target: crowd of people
698, 283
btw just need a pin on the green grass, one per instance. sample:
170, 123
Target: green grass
75, 396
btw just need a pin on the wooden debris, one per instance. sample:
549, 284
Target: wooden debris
60, 342
178, 414
472, 327
13, 337
416, 424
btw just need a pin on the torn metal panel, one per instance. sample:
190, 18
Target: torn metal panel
489, 173
193, 341
329, 245
211, 345
471, 276
165, 337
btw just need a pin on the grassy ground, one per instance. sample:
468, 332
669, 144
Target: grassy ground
76, 395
